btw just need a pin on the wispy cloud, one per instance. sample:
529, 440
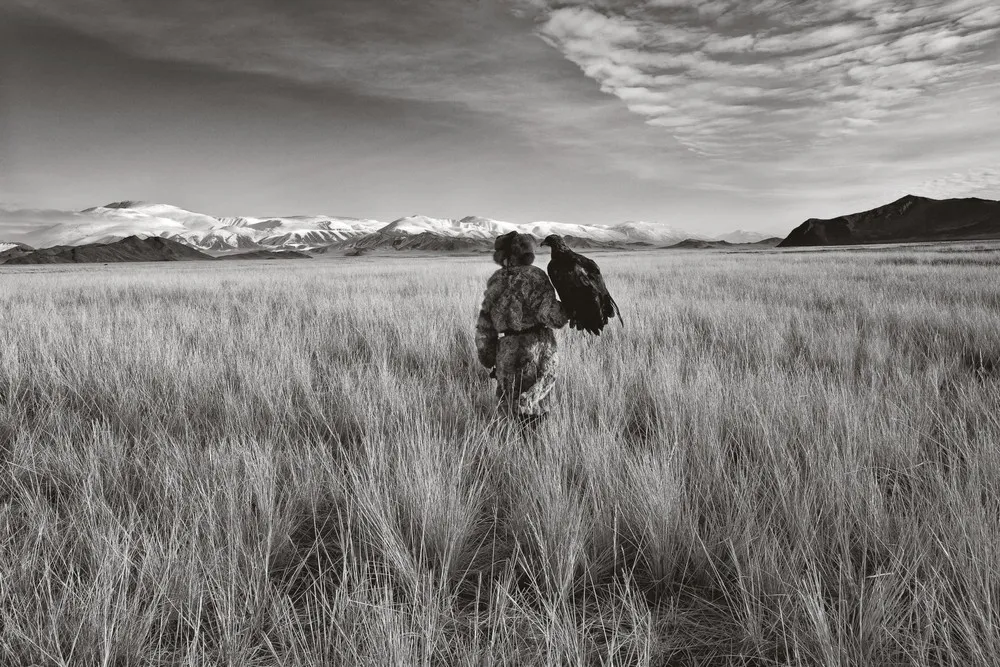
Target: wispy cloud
731, 77
982, 180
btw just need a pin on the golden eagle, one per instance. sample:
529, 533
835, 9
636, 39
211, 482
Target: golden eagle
581, 288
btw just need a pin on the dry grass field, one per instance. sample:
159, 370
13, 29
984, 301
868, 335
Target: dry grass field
783, 458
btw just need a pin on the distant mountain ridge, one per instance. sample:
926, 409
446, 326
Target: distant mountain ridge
131, 249
122, 219
118, 220
910, 219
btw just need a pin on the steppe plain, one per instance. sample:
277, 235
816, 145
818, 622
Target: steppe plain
784, 457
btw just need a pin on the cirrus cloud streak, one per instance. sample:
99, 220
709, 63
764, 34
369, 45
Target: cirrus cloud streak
729, 77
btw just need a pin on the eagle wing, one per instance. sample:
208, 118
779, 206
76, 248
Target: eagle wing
581, 288
609, 309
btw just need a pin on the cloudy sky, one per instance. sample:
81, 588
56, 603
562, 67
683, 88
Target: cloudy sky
707, 114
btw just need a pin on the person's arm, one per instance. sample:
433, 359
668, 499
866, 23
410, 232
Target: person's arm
486, 333
549, 309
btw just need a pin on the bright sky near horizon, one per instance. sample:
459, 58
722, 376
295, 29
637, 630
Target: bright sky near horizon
710, 115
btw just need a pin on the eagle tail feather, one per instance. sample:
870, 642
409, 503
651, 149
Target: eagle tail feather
618, 312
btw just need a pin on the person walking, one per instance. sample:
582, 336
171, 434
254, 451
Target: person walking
514, 331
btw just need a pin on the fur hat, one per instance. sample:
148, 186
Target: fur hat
513, 249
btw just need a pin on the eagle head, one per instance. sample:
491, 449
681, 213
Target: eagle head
554, 241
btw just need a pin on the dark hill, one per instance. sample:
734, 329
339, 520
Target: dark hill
267, 254
911, 219
700, 244
581, 243
131, 249
424, 241
18, 250
391, 239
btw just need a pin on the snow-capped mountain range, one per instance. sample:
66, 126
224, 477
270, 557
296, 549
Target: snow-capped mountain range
119, 220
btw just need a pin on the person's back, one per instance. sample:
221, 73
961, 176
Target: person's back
514, 331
